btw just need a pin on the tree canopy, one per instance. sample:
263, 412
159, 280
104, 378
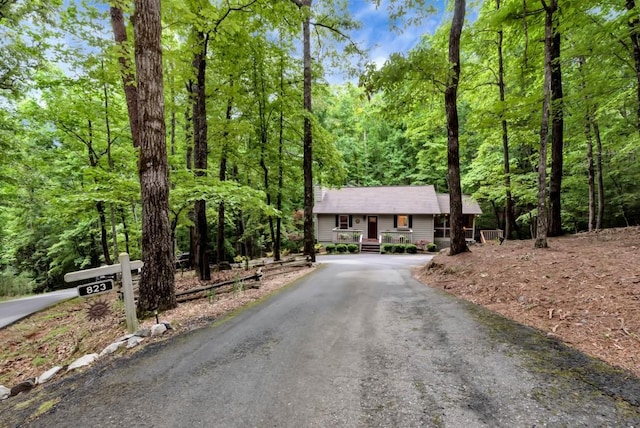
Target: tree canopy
235, 115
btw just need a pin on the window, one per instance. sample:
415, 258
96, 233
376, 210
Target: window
343, 222
467, 221
441, 227
403, 222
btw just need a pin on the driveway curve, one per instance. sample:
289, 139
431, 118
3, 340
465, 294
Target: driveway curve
357, 343
17, 309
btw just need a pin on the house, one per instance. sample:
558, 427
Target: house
370, 216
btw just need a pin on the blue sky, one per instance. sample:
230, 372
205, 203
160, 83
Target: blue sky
376, 36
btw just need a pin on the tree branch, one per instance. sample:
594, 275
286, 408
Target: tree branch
340, 33
232, 9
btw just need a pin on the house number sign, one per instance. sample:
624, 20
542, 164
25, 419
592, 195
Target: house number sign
94, 288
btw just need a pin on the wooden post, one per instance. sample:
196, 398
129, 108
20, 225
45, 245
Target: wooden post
124, 268
127, 289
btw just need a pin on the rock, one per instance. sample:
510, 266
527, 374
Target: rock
111, 348
83, 361
4, 392
142, 332
167, 324
158, 330
134, 341
44, 377
25, 386
124, 338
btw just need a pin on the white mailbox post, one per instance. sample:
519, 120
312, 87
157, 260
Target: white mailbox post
125, 267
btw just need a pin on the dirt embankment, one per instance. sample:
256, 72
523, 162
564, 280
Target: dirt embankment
584, 289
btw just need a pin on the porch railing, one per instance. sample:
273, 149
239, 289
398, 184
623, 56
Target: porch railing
347, 236
469, 234
396, 237
490, 235
445, 232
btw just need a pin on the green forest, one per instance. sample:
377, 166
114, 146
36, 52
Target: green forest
236, 118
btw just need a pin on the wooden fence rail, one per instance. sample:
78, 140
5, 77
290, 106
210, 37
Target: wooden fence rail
257, 276
195, 293
490, 235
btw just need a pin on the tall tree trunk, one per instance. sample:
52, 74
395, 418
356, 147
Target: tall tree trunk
126, 71
599, 173
112, 207
508, 209
278, 237
590, 172
157, 283
634, 33
221, 253
125, 229
542, 221
589, 140
104, 236
278, 233
200, 153
458, 239
260, 90
188, 136
557, 125
525, 31
93, 161
309, 247
241, 248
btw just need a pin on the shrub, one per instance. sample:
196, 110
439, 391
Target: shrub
353, 248
317, 247
341, 248
387, 248
431, 247
411, 249
398, 248
330, 248
12, 284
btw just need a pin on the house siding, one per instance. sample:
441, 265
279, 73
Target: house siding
422, 228
385, 223
325, 226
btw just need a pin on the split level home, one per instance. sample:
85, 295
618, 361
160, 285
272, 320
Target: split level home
371, 216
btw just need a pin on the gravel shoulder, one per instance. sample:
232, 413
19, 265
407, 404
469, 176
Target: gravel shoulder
352, 344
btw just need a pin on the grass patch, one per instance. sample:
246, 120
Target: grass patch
25, 404
39, 361
45, 407
59, 331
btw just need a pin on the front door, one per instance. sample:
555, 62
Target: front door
372, 229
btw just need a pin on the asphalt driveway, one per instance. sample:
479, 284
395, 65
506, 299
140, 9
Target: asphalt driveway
16, 309
356, 343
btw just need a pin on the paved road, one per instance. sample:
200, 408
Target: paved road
353, 344
14, 310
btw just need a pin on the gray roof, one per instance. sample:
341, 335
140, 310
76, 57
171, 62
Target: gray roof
386, 200
469, 205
